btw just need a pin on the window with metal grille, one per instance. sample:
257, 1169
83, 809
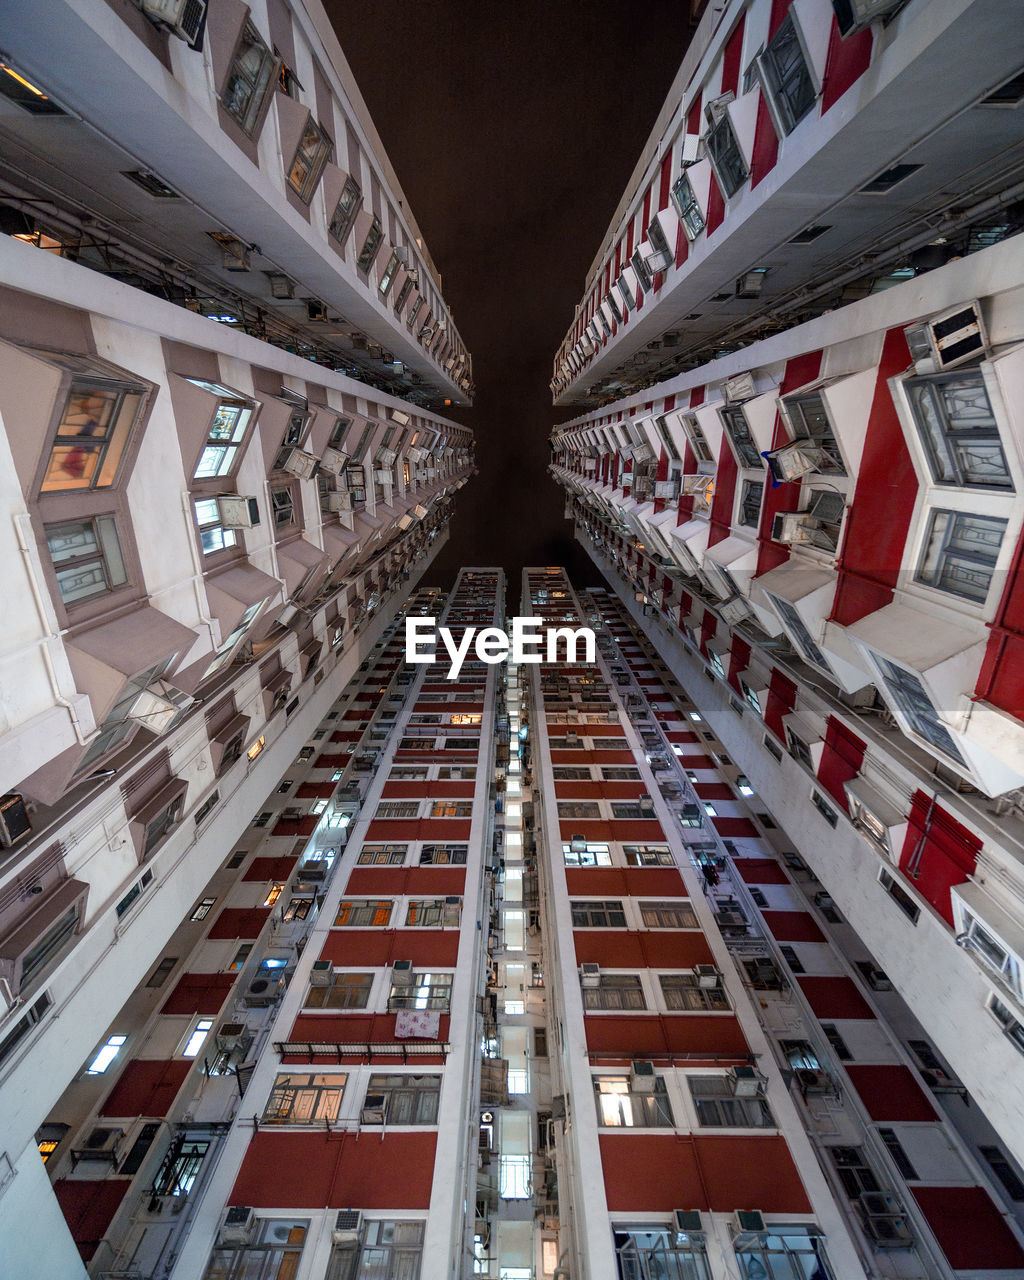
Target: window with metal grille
388, 1250
668, 915
301, 1098
787, 75
407, 1099
687, 209
618, 1107
364, 913
750, 503
960, 553
443, 855
382, 855
276, 1251
641, 1253
430, 913
616, 991
717, 1108
726, 158
907, 691
310, 157
598, 915
250, 80
344, 991
682, 991
957, 426
648, 855
591, 855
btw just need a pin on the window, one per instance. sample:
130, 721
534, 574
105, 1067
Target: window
578, 809
404, 1099
362, 913
825, 809
900, 896
343, 991
839, 1046
687, 208
573, 773
617, 991
681, 991
388, 274
743, 443
197, 1038
618, 773
618, 1107
106, 1055
750, 503
443, 855
786, 1250
1000, 1165
698, 440
791, 958
227, 431
587, 855
429, 913
398, 808
809, 420
899, 1156
249, 81
787, 76
451, 809
668, 915
157, 828
388, 1251
162, 972
340, 225
310, 157
180, 1168
212, 534
276, 1253
282, 506
643, 1253
956, 424
370, 249
914, 704
95, 426
718, 1109
426, 991
648, 855
87, 558
304, 1099
960, 553
598, 915
725, 155
240, 957
382, 855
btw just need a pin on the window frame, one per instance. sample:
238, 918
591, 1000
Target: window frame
261, 85
786, 114
341, 222
687, 207
722, 147
81, 561
312, 151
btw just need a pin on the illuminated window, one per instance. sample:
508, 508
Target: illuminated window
310, 157
203, 909
275, 892
256, 747
197, 1038
96, 423
106, 1055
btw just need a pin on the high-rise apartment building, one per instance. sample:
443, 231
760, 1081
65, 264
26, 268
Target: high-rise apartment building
798, 461
694, 953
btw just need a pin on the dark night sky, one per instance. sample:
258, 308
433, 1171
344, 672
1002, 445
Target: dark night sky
513, 129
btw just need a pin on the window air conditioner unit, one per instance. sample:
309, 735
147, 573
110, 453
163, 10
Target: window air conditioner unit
641, 1077
230, 1036
578, 843
14, 820
739, 388
339, 501
794, 460
384, 477
159, 706
373, 1109
313, 871
747, 1082
402, 973
300, 463
666, 489
734, 611
183, 18
813, 1081
238, 513
949, 339
855, 15
748, 1222
884, 1220
397, 415
238, 1226
590, 975
687, 1222
642, 488
334, 461
386, 457
347, 1226
801, 529
321, 974
707, 976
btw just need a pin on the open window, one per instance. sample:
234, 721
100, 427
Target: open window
250, 81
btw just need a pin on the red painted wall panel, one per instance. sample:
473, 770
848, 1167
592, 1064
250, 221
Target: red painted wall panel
661, 949
379, 947
404, 829
353, 1028
147, 1087
841, 760
264, 869
199, 993
1001, 681
459, 789
970, 1228
656, 1173
846, 62
392, 1171
739, 660
614, 882
424, 882
890, 1092
612, 1035
239, 922
766, 145
883, 501
725, 491
632, 830
938, 853
89, 1208
781, 701
834, 997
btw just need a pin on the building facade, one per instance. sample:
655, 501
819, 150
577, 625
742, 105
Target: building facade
797, 460
224, 345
